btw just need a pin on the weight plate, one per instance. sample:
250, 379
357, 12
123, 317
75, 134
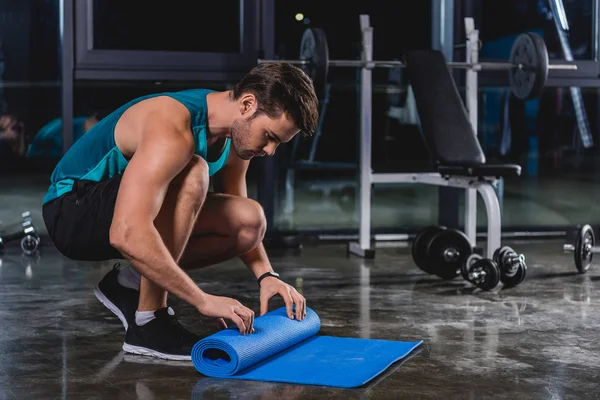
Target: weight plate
518, 277
314, 49
491, 273
530, 51
583, 248
500, 255
420, 245
471, 260
447, 252
29, 244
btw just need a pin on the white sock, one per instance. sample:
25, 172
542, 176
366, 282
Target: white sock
143, 317
129, 278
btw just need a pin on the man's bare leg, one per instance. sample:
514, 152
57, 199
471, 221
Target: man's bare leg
228, 226
175, 223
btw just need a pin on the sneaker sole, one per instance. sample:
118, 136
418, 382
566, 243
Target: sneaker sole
128, 348
108, 304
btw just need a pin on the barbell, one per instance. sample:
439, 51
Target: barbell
527, 66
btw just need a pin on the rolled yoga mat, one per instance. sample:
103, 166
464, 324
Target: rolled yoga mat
290, 351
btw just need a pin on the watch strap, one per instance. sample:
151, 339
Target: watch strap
266, 274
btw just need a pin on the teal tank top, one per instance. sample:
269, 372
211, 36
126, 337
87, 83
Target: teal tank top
96, 157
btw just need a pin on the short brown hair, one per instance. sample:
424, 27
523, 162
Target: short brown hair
281, 87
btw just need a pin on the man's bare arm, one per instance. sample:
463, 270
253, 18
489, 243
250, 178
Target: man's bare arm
164, 149
232, 180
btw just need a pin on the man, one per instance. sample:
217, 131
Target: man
135, 186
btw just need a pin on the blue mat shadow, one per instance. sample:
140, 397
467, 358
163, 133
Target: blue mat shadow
290, 351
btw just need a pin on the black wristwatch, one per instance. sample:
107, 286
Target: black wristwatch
263, 276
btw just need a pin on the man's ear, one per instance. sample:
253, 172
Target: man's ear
247, 103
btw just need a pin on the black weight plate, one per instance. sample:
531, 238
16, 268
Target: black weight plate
313, 48
514, 280
492, 273
583, 256
496, 255
420, 245
471, 260
29, 244
500, 253
448, 240
529, 50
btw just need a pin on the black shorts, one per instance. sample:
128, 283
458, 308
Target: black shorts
79, 222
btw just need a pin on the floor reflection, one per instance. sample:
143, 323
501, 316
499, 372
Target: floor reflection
538, 340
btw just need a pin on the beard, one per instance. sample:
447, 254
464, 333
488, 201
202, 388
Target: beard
240, 138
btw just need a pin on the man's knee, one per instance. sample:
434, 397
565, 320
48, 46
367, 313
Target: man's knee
251, 225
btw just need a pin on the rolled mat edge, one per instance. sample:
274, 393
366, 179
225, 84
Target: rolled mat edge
274, 333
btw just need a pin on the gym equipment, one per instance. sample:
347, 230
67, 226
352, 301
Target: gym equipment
528, 49
584, 248
562, 27
447, 253
482, 272
313, 47
419, 248
513, 269
449, 127
290, 351
527, 66
25, 216
440, 251
26, 232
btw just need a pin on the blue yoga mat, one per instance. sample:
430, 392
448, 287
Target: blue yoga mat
286, 350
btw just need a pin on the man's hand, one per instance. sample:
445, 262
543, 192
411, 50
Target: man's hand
271, 286
225, 307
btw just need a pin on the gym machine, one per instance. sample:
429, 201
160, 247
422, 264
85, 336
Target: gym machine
448, 253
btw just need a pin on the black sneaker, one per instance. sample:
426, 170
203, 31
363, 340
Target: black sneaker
163, 337
122, 301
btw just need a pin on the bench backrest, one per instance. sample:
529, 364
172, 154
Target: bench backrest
444, 120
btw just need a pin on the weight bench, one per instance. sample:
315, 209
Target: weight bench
452, 142
457, 158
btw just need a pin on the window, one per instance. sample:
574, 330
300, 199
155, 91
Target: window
123, 25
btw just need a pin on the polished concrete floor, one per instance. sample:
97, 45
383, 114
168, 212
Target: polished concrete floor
536, 341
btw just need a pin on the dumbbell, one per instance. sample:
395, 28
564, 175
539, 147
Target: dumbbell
440, 251
30, 241
513, 269
506, 266
444, 252
482, 272
448, 253
583, 250
422, 255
